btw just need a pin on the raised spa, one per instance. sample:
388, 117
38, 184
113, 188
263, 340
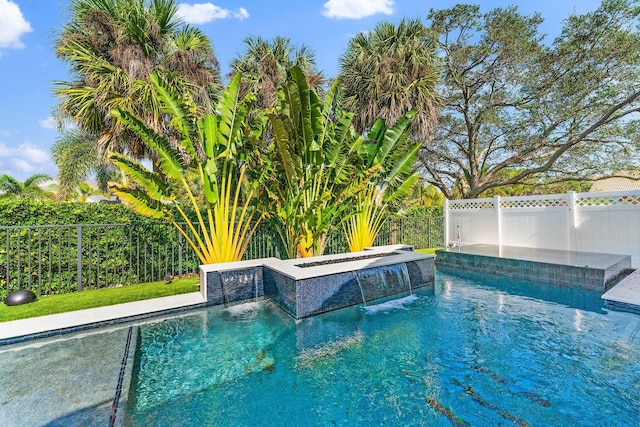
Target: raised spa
305, 287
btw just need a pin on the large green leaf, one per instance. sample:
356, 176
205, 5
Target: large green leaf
282, 147
404, 189
140, 201
230, 118
403, 166
375, 138
152, 183
175, 108
322, 124
395, 136
209, 181
306, 128
209, 132
169, 160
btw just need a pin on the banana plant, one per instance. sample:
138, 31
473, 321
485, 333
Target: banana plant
391, 149
211, 148
315, 166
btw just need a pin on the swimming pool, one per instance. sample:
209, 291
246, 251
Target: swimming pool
468, 351
471, 351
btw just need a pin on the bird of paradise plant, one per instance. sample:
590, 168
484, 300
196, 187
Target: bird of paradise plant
222, 232
315, 168
396, 177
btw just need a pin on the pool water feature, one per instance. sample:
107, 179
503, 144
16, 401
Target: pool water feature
381, 282
468, 351
325, 283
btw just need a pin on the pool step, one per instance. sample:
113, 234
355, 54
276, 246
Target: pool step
625, 296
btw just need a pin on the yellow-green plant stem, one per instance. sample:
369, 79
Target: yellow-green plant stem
364, 226
200, 220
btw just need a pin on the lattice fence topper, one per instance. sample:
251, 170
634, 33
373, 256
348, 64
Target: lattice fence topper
554, 202
471, 204
609, 200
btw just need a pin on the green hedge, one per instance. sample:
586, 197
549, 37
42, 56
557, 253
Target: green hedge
30, 212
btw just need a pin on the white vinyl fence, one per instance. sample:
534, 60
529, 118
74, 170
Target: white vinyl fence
585, 222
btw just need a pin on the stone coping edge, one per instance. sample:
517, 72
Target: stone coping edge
94, 325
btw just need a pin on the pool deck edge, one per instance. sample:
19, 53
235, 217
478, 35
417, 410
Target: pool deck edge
625, 296
37, 326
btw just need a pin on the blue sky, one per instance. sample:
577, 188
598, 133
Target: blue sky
28, 65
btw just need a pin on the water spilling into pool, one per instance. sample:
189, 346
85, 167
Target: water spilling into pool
471, 352
381, 282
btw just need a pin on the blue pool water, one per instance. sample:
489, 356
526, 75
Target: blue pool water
470, 351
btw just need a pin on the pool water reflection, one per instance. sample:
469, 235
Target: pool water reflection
470, 351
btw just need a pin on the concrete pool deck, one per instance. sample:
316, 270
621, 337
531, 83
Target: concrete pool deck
43, 326
625, 296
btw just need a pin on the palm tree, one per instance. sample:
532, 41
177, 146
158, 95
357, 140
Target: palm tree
389, 71
112, 47
30, 187
427, 195
264, 66
77, 156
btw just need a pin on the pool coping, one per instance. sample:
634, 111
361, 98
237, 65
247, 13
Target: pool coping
294, 270
17, 331
625, 296
575, 269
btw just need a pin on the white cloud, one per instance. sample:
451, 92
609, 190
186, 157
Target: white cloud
34, 154
202, 13
241, 13
356, 9
47, 123
12, 25
26, 153
23, 165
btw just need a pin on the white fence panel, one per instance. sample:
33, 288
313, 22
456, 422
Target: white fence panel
473, 221
535, 221
541, 229
609, 222
587, 222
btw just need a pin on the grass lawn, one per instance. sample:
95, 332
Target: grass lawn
98, 298
428, 250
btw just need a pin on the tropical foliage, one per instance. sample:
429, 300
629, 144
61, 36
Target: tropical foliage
76, 155
29, 188
112, 46
391, 186
425, 195
519, 110
392, 148
315, 167
389, 71
264, 66
362, 228
222, 233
